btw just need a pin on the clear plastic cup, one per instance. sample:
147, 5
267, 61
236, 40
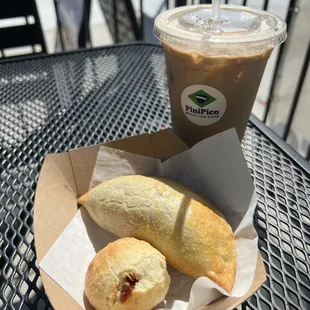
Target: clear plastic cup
215, 68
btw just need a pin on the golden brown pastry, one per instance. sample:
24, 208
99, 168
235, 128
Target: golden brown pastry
128, 274
187, 229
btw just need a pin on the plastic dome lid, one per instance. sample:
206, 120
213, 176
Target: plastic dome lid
194, 26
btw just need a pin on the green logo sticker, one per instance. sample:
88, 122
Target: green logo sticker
201, 98
203, 105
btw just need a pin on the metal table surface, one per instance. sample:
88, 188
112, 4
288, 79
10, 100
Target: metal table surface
54, 103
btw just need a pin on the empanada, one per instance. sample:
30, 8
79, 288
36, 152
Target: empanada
194, 237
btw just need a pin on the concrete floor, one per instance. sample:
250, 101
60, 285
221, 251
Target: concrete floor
100, 34
297, 43
299, 136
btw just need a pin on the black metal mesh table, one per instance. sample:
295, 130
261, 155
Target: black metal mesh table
54, 103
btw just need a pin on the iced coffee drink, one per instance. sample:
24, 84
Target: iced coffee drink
214, 71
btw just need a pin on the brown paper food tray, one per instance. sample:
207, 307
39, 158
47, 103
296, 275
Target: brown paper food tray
65, 176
